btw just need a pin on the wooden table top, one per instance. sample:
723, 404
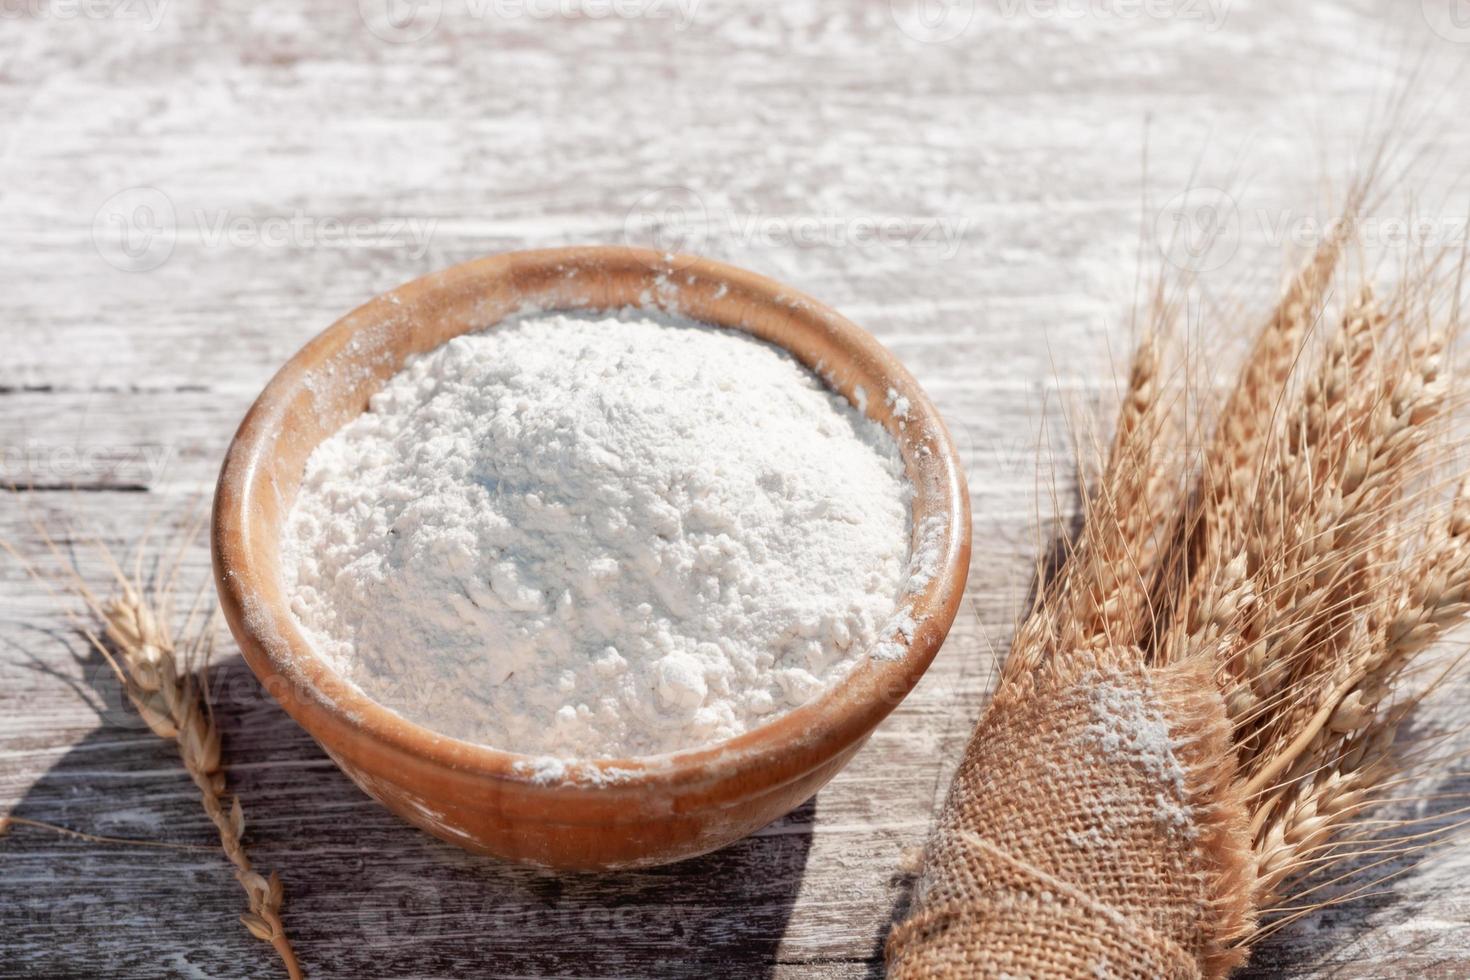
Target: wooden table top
190, 192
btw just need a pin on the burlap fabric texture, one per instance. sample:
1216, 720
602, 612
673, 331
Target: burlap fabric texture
1089, 832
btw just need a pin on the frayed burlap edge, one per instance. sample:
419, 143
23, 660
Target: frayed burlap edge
1092, 829
1198, 721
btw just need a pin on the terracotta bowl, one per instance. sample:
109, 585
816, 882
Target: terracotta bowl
605, 813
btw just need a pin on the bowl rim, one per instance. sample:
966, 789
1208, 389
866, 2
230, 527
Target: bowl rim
772, 754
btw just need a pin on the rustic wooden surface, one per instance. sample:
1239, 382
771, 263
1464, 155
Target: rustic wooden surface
175, 182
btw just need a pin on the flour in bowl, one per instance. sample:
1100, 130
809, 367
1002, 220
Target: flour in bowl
584, 537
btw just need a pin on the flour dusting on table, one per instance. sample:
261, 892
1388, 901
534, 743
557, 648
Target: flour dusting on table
582, 537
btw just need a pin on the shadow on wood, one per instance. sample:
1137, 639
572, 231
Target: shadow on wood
366, 894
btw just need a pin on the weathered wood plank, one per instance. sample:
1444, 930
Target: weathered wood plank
1012, 154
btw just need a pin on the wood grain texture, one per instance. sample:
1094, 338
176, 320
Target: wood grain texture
975, 202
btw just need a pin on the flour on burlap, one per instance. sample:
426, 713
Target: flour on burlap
584, 537
1129, 728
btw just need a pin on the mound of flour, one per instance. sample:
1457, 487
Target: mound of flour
592, 537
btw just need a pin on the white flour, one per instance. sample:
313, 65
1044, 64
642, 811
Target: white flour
582, 537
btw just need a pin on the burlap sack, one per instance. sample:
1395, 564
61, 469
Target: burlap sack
1089, 832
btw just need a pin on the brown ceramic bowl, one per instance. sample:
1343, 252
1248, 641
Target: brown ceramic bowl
604, 813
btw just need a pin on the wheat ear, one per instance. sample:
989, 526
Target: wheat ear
1320, 571
131, 632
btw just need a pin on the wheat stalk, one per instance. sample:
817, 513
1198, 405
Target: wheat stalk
1271, 578
1314, 563
7, 822
131, 631
1100, 596
1318, 573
